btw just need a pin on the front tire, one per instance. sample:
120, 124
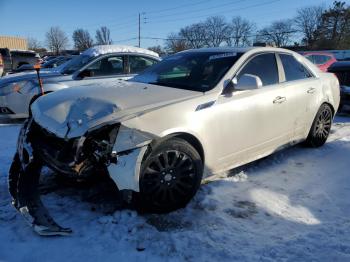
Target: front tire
170, 176
321, 127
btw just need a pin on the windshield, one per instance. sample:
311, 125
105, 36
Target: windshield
75, 64
192, 71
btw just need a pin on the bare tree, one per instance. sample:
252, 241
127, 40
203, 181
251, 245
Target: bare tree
279, 33
56, 39
158, 49
240, 31
82, 39
334, 32
308, 20
33, 43
175, 43
103, 36
194, 35
216, 30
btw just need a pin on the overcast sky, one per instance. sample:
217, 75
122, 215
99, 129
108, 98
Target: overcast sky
33, 18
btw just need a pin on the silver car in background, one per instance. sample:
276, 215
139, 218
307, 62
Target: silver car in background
110, 62
154, 135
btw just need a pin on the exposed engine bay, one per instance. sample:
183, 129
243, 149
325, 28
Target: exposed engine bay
98, 151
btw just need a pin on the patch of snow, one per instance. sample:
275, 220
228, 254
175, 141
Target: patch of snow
105, 49
291, 206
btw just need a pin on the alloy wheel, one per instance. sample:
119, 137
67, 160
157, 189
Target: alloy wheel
169, 177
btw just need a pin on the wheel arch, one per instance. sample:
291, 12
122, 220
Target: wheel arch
35, 97
191, 139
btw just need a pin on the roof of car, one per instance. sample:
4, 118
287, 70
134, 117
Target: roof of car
339, 66
106, 49
221, 49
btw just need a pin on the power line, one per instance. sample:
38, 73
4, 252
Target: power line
197, 10
231, 37
207, 15
125, 40
177, 7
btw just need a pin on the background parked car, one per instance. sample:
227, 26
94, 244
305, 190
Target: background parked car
322, 59
6, 58
342, 71
1, 65
108, 62
15, 58
52, 63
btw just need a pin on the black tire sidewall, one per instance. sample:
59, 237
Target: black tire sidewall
312, 140
145, 202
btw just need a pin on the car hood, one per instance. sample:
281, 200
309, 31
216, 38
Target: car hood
71, 112
28, 76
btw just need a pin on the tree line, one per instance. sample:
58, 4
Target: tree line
57, 40
313, 27
319, 28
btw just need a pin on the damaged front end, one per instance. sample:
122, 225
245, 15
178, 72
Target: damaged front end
113, 149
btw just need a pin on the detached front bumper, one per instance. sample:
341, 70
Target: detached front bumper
99, 151
24, 178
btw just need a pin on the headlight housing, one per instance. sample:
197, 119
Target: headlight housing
20, 87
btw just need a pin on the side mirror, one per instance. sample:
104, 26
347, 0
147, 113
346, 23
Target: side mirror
85, 73
247, 82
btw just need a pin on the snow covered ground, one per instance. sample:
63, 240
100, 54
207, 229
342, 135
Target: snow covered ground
291, 206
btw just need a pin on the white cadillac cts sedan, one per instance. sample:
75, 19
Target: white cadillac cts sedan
154, 135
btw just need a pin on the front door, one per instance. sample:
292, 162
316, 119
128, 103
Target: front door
252, 123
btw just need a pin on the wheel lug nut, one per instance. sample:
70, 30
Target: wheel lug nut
162, 181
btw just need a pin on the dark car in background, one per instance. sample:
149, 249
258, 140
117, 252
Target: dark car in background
342, 71
52, 63
16, 58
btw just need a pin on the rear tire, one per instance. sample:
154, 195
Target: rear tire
321, 127
170, 176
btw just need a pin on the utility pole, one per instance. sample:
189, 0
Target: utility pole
144, 21
139, 29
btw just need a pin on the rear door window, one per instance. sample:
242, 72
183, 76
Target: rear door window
264, 66
293, 70
107, 66
138, 64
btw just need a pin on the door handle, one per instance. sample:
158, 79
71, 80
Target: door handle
279, 100
311, 90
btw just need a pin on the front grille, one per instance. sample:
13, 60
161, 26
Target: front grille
54, 150
63, 154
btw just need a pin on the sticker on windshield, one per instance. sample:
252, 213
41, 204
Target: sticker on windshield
218, 56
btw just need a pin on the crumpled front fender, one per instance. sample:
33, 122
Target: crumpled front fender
130, 147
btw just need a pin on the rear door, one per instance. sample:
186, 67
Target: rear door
108, 68
302, 91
